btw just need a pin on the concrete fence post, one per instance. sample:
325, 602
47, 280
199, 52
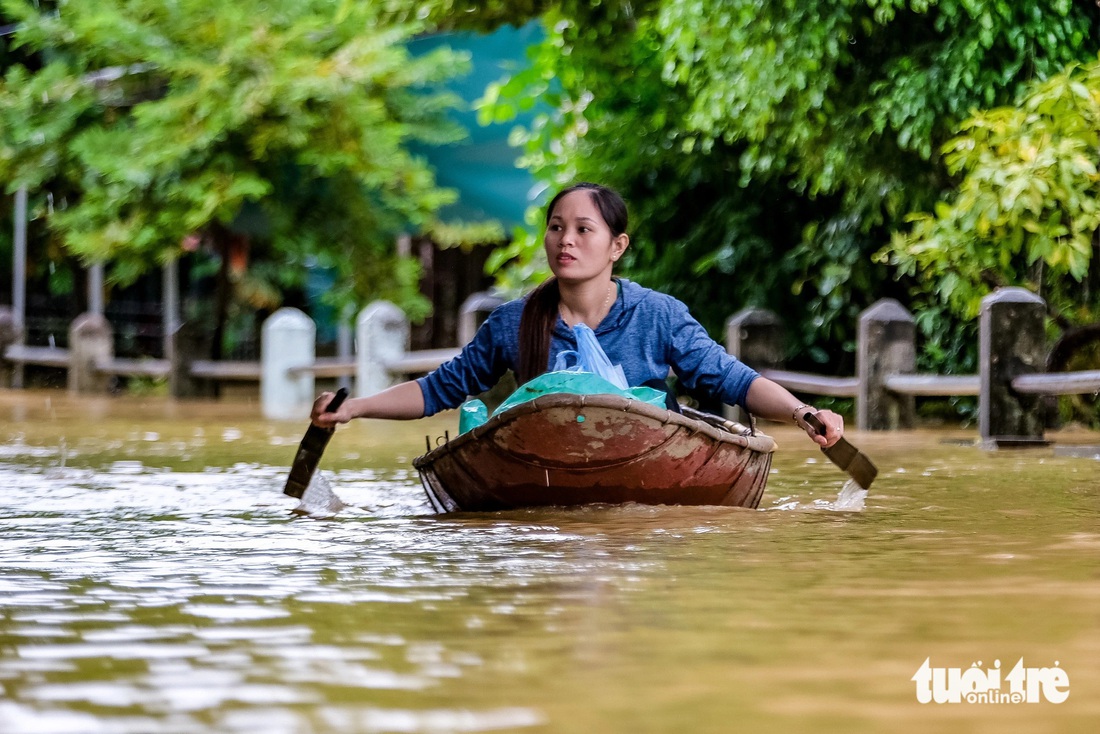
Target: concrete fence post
887, 346
382, 336
91, 342
288, 339
473, 312
1012, 341
755, 336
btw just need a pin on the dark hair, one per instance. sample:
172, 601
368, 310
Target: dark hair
611, 205
540, 313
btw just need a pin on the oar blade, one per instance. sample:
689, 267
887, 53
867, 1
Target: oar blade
853, 461
306, 461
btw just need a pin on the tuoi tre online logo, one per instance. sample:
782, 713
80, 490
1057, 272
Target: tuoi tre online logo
975, 685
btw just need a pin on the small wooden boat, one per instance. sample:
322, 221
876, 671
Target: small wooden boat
566, 449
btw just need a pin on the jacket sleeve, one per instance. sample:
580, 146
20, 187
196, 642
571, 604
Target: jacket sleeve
702, 363
478, 367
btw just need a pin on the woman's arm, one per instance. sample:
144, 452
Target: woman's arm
772, 401
403, 401
476, 369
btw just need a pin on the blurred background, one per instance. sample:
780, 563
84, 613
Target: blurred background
323, 154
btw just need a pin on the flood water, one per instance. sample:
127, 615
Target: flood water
153, 580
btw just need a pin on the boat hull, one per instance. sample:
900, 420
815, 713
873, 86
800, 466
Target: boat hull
564, 449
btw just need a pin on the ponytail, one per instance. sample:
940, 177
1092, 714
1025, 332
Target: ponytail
540, 314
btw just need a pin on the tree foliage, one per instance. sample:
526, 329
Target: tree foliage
1027, 208
768, 149
286, 119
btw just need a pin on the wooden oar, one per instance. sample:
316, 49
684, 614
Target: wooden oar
845, 455
310, 450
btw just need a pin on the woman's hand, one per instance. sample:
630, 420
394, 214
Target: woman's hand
324, 419
768, 399
832, 422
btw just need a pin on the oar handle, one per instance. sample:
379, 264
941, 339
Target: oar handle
814, 422
337, 400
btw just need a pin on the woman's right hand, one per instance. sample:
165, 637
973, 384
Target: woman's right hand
323, 419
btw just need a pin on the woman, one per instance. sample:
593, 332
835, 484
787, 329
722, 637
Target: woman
644, 331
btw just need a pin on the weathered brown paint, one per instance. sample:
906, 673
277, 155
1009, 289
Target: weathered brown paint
540, 454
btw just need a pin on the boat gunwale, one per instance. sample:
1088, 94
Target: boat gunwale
759, 443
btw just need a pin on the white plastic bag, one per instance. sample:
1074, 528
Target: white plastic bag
590, 357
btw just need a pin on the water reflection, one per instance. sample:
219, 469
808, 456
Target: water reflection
163, 585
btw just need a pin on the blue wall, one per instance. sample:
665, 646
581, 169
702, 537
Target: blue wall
483, 166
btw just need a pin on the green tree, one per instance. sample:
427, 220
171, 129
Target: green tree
769, 149
287, 120
1027, 208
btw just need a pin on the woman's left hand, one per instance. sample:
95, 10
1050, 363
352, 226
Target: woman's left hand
833, 423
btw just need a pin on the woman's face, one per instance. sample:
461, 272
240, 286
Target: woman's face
578, 242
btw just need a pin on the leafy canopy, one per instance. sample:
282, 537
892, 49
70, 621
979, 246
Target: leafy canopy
1027, 208
158, 120
768, 149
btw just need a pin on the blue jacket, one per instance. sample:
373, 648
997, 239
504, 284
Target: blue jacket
646, 332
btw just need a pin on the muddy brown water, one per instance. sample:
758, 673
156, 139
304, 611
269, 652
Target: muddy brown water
152, 579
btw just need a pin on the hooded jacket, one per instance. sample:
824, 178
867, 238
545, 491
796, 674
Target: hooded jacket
645, 331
